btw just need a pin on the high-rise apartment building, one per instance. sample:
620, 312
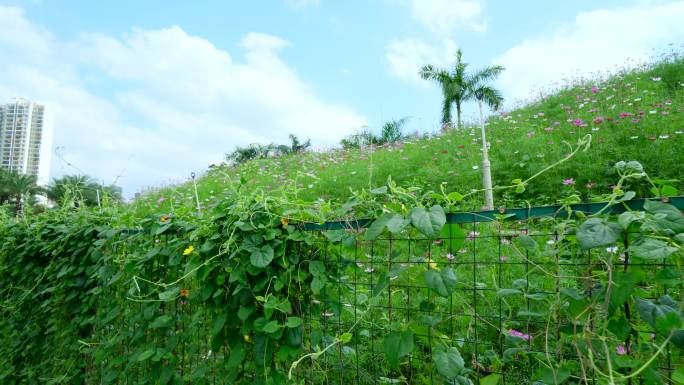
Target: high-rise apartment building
25, 139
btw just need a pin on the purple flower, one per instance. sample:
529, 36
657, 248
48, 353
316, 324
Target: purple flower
568, 182
503, 258
621, 350
450, 256
519, 334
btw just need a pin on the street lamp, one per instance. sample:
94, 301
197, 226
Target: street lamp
486, 166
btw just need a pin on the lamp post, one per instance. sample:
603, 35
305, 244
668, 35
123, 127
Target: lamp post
486, 166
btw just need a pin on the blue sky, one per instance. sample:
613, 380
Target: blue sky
150, 91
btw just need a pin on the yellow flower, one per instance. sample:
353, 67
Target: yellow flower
432, 264
247, 338
165, 218
284, 221
188, 250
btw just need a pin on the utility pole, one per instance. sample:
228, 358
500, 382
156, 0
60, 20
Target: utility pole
486, 166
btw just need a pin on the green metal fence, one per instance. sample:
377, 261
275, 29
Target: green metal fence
502, 303
496, 315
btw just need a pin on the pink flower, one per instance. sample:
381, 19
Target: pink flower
472, 235
578, 122
594, 90
568, 182
519, 334
598, 120
548, 129
503, 258
620, 350
623, 115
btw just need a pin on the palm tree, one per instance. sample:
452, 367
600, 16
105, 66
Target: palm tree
4, 186
20, 186
459, 86
82, 189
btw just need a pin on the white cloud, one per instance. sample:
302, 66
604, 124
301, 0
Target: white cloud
169, 101
595, 41
444, 17
407, 56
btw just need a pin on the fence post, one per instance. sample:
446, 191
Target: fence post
486, 166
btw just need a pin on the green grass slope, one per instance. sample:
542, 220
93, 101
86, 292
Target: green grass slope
635, 115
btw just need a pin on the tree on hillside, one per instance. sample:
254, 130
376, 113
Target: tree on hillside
459, 86
392, 132
259, 151
81, 190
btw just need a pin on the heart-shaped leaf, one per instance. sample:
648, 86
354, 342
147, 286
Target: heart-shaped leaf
443, 282
448, 361
397, 345
429, 223
261, 256
595, 232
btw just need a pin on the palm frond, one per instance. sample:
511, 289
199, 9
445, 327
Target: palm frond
490, 96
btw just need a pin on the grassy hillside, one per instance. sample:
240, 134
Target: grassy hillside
635, 115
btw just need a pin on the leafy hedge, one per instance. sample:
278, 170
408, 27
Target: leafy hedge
241, 295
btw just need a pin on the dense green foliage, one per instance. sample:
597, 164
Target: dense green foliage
241, 294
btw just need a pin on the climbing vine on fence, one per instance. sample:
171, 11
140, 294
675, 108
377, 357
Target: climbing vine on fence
246, 294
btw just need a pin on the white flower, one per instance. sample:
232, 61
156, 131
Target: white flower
475, 167
634, 137
656, 79
612, 249
550, 242
663, 136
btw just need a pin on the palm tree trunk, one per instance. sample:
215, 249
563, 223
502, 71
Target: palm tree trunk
17, 204
458, 115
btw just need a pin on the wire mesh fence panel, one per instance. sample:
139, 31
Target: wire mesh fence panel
507, 300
